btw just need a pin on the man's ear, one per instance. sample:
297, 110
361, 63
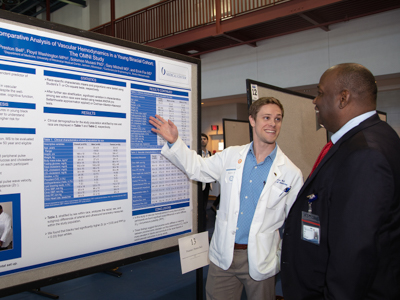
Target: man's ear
344, 98
252, 121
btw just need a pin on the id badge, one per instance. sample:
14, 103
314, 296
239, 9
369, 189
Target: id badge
310, 228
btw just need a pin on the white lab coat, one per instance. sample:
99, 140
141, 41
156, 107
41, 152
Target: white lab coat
272, 208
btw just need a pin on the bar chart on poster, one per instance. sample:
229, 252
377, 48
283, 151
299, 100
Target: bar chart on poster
81, 172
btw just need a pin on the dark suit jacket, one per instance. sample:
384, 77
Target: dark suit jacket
358, 189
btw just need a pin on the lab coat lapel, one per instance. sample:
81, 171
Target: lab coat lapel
274, 174
237, 181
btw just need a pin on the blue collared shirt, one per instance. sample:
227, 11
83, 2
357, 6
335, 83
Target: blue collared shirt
350, 125
253, 181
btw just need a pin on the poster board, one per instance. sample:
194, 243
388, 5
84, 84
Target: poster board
236, 132
81, 174
301, 138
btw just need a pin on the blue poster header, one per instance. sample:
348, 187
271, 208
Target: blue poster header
81, 112
9, 104
158, 90
83, 78
27, 46
17, 69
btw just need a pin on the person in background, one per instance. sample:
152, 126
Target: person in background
258, 186
5, 230
215, 205
206, 186
342, 235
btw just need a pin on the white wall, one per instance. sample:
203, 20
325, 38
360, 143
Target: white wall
301, 58
389, 102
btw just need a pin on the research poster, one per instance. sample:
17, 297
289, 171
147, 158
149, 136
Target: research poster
80, 170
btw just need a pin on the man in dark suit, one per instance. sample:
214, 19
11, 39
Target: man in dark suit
342, 235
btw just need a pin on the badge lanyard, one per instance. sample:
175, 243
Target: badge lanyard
310, 224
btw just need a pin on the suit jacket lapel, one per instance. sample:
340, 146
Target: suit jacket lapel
367, 123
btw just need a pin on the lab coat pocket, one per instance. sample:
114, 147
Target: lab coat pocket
277, 193
229, 175
267, 243
218, 240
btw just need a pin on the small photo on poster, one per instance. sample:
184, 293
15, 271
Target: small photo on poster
6, 228
10, 227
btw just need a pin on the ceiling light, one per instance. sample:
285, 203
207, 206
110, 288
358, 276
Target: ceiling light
192, 51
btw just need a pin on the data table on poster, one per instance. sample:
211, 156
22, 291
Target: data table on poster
144, 105
156, 181
178, 112
81, 171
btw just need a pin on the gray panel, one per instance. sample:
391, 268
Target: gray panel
236, 133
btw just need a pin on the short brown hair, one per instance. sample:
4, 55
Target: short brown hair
256, 105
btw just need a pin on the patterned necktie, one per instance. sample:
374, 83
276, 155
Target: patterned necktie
324, 151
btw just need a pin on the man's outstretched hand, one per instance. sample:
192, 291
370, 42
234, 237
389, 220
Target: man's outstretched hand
166, 129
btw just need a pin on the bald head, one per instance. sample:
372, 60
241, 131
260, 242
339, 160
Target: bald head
359, 81
345, 91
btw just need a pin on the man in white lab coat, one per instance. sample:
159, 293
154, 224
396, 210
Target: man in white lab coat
258, 187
